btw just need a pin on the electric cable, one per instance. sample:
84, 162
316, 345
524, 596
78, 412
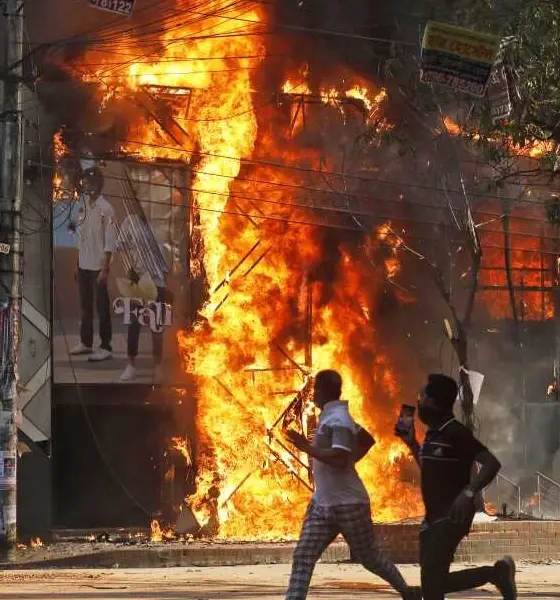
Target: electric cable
380, 219
308, 170
348, 195
334, 174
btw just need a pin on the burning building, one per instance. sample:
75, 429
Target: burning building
291, 276
296, 238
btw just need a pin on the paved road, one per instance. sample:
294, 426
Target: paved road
331, 582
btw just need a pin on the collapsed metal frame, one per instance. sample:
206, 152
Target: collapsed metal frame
298, 103
295, 410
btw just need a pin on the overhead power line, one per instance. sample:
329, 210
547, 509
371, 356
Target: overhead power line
341, 175
326, 210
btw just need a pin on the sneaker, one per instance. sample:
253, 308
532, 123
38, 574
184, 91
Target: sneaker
80, 349
129, 373
413, 593
100, 355
505, 578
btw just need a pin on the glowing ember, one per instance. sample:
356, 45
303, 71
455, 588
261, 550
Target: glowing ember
157, 534
291, 87
533, 149
184, 447
60, 150
365, 95
534, 501
393, 267
490, 509
36, 543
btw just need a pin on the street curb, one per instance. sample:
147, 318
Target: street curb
227, 555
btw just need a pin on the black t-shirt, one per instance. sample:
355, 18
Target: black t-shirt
446, 456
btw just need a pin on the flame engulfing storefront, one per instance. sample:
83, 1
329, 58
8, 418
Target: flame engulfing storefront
287, 211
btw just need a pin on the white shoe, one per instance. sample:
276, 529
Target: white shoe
100, 355
80, 349
129, 373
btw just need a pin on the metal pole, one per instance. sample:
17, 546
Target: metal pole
11, 264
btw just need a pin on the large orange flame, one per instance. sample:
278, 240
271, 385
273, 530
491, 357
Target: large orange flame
271, 324
532, 149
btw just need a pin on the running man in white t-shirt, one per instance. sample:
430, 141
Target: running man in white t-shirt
340, 504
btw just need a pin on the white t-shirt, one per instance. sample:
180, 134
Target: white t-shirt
95, 230
334, 486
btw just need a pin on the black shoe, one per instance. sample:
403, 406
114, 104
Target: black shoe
505, 578
413, 593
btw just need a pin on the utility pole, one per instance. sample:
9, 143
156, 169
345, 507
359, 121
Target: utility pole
11, 264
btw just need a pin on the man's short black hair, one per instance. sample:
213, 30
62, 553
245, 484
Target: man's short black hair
442, 389
330, 381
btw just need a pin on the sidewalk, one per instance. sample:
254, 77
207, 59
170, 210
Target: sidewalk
264, 582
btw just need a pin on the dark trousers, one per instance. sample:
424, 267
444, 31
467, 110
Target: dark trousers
89, 288
438, 543
133, 337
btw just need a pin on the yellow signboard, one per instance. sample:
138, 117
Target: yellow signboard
458, 57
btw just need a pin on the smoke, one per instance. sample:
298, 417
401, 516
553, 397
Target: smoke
339, 30
517, 417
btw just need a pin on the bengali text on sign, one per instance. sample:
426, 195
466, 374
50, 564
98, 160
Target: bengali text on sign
458, 58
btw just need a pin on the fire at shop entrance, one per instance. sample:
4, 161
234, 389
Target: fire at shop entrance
292, 282
288, 227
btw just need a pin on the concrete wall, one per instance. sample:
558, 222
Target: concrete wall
34, 399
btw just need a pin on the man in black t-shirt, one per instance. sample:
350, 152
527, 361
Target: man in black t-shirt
446, 461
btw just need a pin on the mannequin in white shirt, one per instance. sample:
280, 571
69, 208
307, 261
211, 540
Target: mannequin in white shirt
96, 242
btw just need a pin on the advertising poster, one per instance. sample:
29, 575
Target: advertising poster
8, 469
120, 273
458, 58
498, 94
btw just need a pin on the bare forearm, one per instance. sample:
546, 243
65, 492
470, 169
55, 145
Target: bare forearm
107, 260
414, 448
334, 458
488, 471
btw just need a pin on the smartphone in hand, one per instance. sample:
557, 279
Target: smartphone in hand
405, 423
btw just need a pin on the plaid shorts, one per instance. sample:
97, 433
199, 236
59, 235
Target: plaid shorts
320, 528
